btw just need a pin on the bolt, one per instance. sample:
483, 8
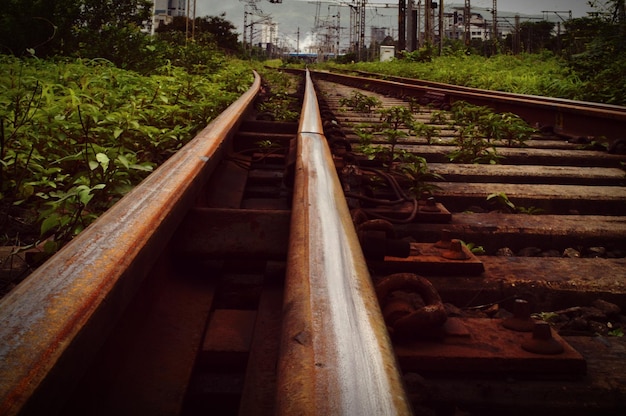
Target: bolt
456, 251
431, 205
521, 320
445, 240
542, 341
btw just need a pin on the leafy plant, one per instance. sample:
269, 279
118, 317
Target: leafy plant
506, 127
439, 117
473, 144
472, 148
594, 145
474, 249
392, 120
424, 130
411, 167
536, 74
502, 203
360, 102
396, 117
416, 170
75, 136
414, 104
529, 210
281, 106
545, 316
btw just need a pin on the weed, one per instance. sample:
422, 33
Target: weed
360, 102
75, 136
473, 145
281, 106
474, 249
501, 202
426, 131
415, 169
545, 316
439, 117
414, 105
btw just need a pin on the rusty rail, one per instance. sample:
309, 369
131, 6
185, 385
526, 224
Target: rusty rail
336, 357
53, 323
571, 117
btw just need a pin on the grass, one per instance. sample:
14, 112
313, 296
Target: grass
534, 74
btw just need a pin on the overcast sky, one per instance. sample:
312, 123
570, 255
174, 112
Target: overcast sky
292, 15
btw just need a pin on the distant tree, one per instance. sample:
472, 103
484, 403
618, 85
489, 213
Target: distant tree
221, 31
536, 36
102, 28
97, 14
41, 27
596, 49
579, 33
111, 29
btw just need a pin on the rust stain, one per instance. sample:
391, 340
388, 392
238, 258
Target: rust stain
84, 274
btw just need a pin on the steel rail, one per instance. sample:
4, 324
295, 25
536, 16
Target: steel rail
572, 117
53, 323
504, 94
335, 357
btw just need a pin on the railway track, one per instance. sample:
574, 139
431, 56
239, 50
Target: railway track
239, 279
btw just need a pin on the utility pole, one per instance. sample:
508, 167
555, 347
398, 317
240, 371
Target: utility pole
249, 9
516, 37
402, 25
467, 16
338, 32
428, 21
495, 26
420, 42
361, 28
441, 28
187, 23
410, 27
193, 22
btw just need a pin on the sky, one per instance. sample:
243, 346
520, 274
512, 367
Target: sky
293, 16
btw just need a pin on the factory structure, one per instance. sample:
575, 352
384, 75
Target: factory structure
343, 30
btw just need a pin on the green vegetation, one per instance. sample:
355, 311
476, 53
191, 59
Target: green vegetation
481, 129
585, 61
395, 122
113, 30
501, 203
360, 102
93, 103
545, 316
415, 170
536, 74
77, 135
474, 249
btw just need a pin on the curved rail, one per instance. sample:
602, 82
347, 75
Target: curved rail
336, 357
51, 322
504, 94
572, 117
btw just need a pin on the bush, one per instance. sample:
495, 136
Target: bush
76, 135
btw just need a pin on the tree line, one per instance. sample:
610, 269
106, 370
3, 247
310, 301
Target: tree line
115, 30
594, 47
